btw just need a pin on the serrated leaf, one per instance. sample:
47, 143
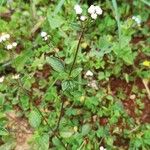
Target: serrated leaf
34, 119
56, 64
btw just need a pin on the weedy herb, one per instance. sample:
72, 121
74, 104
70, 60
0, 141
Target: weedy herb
74, 76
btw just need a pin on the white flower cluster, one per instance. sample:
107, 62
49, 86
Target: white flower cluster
15, 77
44, 35
79, 11
12, 45
94, 11
137, 19
4, 37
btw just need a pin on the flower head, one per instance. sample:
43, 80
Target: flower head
2, 79
98, 10
137, 19
83, 18
91, 9
94, 16
89, 73
78, 9
4, 37
43, 34
94, 11
14, 44
9, 46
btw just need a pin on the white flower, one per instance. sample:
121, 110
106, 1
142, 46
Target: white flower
94, 16
4, 37
78, 9
89, 73
9, 46
43, 34
83, 18
102, 148
98, 10
16, 76
2, 79
46, 38
94, 11
137, 19
7, 36
91, 9
14, 44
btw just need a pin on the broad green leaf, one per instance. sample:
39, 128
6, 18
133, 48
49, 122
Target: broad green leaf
56, 64
34, 119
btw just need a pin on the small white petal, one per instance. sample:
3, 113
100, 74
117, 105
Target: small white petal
9, 46
98, 10
91, 9
2, 79
43, 34
14, 44
94, 16
83, 18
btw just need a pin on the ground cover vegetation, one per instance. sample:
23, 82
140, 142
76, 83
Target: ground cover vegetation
74, 75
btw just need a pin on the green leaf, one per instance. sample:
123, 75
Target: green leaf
24, 102
3, 131
67, 85
76, 72
21, 60
66, 134
34, 119
86, 129
55, 21
56, 64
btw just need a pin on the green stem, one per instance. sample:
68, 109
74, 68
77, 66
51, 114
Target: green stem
76, 53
